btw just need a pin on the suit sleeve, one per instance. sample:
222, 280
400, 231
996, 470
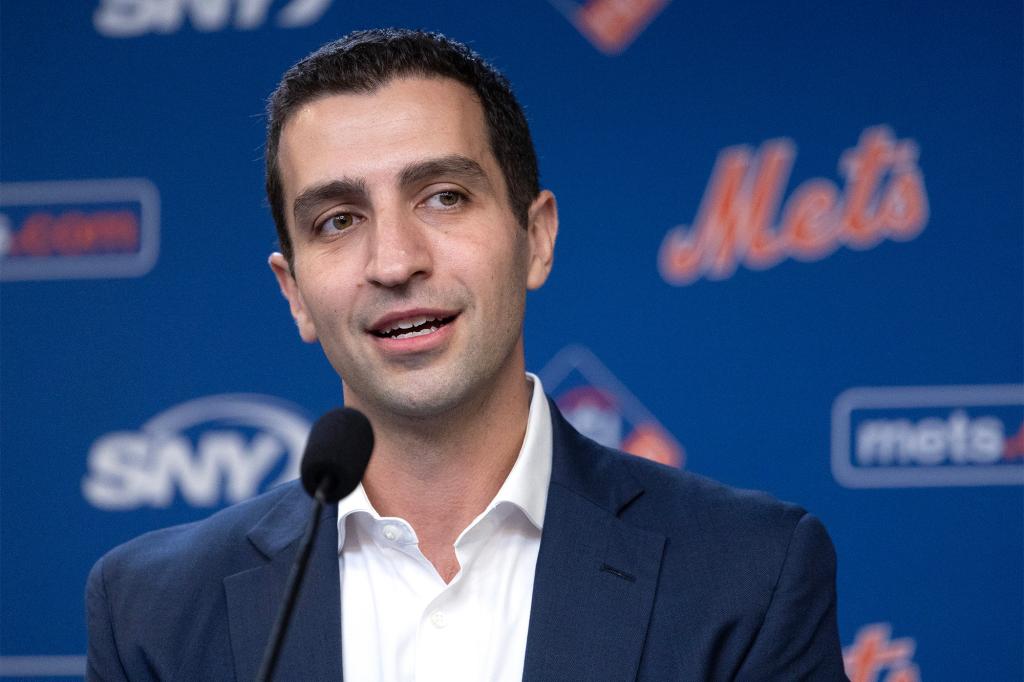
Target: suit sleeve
103, 661
799, 638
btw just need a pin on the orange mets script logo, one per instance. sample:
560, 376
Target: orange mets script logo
883, 198
610, 25
873, 652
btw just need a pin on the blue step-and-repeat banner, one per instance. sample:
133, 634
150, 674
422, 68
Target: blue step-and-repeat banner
790, 259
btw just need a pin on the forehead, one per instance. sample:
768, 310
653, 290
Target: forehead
372, 136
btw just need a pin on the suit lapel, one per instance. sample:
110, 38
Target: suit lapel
312, 649
596, 575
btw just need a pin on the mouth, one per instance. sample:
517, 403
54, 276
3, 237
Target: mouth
411, 326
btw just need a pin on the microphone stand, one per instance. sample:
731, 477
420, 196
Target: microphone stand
284, 616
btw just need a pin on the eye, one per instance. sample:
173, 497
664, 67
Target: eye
339, 222
446, 199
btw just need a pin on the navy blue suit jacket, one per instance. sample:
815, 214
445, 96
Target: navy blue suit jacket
644, 573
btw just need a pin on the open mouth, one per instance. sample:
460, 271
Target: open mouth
417, 326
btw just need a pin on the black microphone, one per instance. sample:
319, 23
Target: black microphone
336, 455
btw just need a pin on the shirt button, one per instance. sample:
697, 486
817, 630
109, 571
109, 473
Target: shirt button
438, 619
391, 533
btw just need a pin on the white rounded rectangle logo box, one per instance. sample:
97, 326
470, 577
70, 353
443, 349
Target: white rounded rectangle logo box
928, 436
78, 229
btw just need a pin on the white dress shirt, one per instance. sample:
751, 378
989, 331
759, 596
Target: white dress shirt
399, 620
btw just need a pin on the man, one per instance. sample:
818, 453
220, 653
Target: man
488, 540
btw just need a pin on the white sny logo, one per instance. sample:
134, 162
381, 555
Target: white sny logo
239, 441
132, 18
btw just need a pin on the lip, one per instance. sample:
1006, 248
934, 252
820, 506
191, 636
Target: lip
414, 344
391, 318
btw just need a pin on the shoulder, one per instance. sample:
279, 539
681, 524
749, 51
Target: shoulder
175, 558
723, 525
664, 499
158, 602
720, 534
730, 553
675, 500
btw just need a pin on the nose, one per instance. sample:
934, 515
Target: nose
399, 251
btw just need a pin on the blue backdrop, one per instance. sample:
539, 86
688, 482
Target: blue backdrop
790, 259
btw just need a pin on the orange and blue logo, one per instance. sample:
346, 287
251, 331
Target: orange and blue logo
600, 407
742, 218
610, 25
78, 229
907, 436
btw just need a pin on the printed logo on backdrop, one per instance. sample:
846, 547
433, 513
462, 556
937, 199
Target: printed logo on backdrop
742, 218
610, 25
207, 452
875, 656
600, 407
78, 229
895, 437
133, 18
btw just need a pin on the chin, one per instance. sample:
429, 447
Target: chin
430, 397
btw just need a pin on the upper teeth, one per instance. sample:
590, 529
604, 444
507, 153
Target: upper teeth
409, 324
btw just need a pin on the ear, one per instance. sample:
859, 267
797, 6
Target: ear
290, 290
542, 230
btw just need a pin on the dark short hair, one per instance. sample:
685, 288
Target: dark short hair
363, 61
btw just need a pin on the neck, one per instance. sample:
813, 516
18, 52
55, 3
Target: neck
440, 474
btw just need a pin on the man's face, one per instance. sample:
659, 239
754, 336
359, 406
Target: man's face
409, 266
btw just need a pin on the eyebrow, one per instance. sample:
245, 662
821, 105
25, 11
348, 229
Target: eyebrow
344, 189
354, 190
452, 165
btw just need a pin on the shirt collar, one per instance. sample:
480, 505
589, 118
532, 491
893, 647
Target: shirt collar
526, 486
356, 502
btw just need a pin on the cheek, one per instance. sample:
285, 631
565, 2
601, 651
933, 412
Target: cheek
329, 310
495, 271
517, 262
325, 299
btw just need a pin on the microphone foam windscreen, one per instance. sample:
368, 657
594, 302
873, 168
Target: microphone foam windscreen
338, 450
